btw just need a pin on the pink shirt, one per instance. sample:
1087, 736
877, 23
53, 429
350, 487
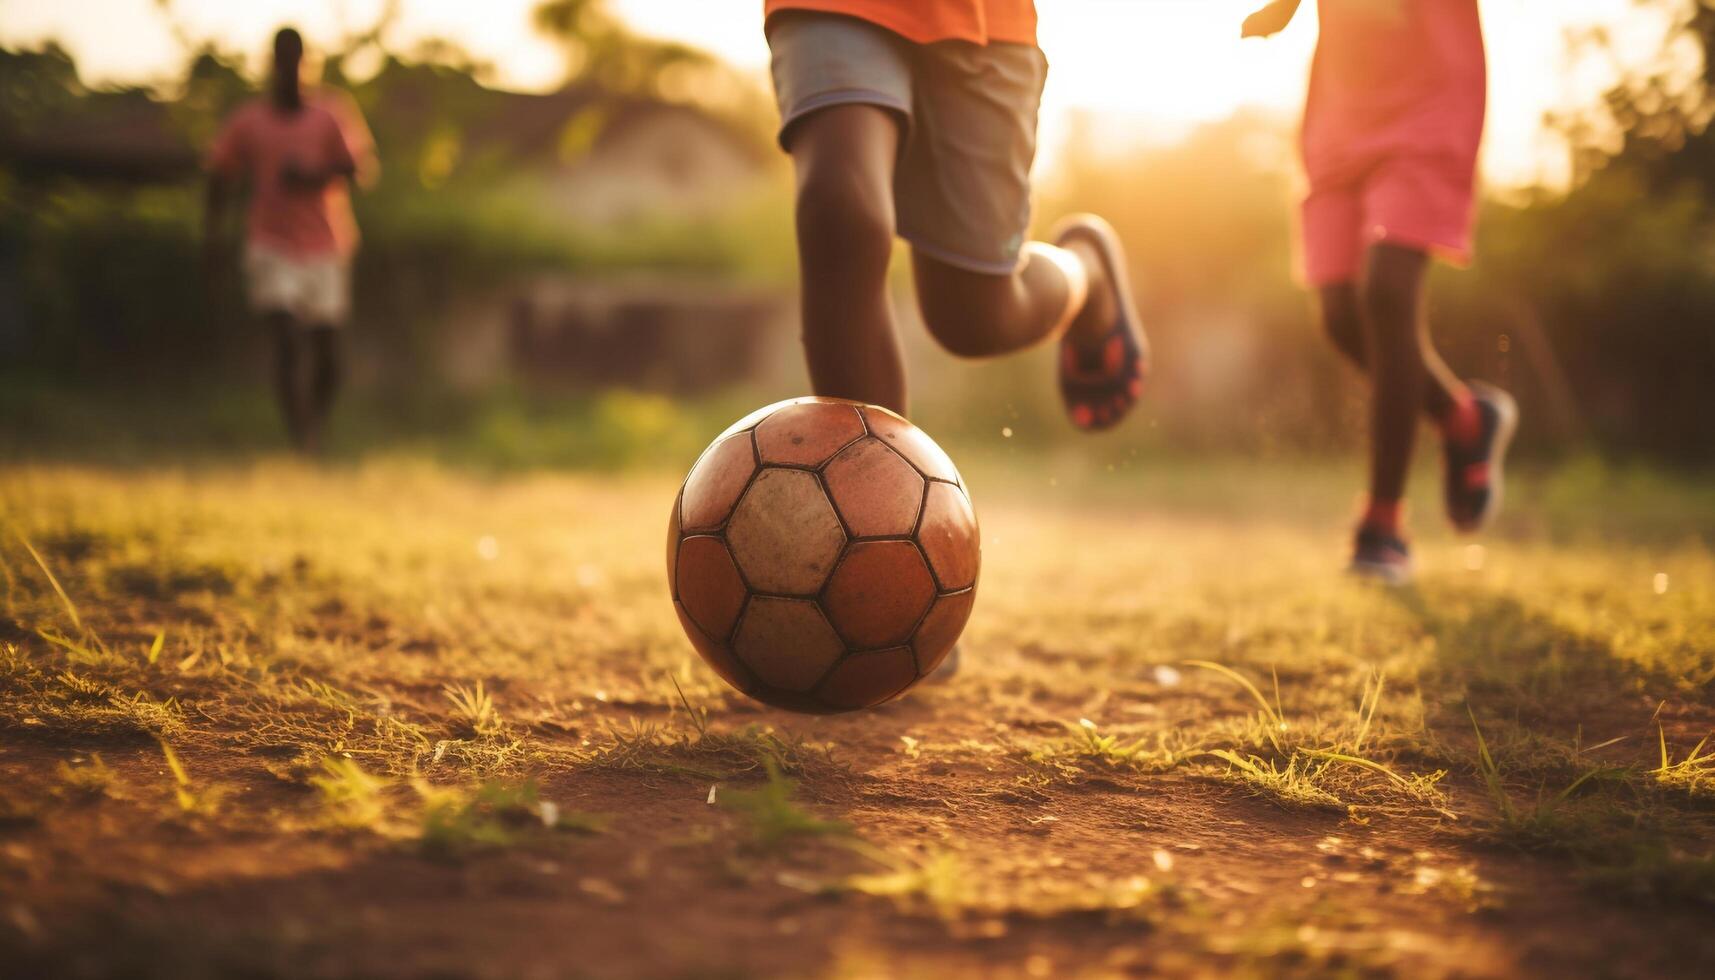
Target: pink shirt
256, 143
1392, 78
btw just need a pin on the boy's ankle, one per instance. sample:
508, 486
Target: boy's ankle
1462, 425
1091, 321
1387, 516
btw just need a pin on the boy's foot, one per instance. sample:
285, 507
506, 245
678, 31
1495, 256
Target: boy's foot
1381, 556
1103, 361
1474, 468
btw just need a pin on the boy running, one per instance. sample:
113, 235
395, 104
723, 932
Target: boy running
1391, 132
918, 118
298, 151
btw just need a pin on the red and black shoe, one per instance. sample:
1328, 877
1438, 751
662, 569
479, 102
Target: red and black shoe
1381, 556
1474, 468
1099, 386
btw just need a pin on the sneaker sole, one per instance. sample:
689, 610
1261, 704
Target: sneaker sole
1107, 242
1507, 409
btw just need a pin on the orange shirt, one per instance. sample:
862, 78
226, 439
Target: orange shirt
925, 21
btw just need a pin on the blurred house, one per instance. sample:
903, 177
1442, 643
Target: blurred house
599, 157
646, 332
601, 163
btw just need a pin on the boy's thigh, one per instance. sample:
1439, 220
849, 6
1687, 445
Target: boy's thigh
824, 60
963, 182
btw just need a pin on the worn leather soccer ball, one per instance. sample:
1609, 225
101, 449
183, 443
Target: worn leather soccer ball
823, 555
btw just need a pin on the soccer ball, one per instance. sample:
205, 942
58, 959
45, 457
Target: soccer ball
823, 555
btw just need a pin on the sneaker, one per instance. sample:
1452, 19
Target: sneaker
1474, 470
1100, 386
1381, 556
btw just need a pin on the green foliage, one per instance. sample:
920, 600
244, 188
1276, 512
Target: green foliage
770, 814
84, 779
458, 822
474, 710
1694, 774
353, 798
192, 800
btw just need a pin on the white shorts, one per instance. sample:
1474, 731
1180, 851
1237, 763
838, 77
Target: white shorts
315, 290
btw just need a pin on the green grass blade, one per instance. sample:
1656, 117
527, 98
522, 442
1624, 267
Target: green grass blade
1491, 772
1273, 716
70, 607
1369, 764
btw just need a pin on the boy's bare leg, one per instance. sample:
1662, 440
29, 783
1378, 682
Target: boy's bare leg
975, 314
324, 382
1391, 301
1476, 421
1343, 319
844, 157
289, 374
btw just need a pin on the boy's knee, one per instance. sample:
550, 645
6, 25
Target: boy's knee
960, 311
1392, 285
840, 215
1342, 321
1390, 308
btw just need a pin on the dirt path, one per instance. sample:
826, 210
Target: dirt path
984, 829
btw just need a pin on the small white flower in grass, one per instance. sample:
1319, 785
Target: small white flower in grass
1661, 583
1006, 432
1163, 860
487, 548
1087, 723
1167, 676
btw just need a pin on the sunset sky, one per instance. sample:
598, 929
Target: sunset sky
1144, 69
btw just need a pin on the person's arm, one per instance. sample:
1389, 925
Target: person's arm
1271, 19
359, 142
350, 153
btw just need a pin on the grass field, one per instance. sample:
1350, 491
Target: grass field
391, 718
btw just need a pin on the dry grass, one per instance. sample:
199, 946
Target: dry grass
404, 658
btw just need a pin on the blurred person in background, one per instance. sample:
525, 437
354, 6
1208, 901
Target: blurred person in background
917, 118
297, 150
1392, 127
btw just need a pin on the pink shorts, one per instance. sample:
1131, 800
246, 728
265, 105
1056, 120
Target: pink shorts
1419, 201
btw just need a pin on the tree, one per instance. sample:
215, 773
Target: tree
602, 50
1654, 122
